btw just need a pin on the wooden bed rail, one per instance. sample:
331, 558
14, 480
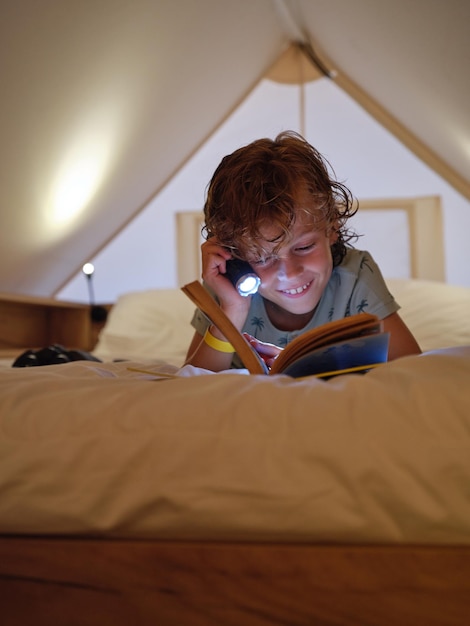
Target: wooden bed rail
88, 582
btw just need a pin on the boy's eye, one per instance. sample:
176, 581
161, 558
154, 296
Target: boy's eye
306, 248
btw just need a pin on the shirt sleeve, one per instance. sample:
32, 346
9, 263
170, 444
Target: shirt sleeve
370, 292
200, 322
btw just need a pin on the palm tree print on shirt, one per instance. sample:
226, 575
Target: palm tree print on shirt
258, 323
362, 306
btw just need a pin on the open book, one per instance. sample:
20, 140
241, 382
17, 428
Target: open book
354, 343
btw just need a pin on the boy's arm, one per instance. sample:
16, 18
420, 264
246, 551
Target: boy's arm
402, 342
204, 353
200, 354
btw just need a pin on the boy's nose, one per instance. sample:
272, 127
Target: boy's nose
289, 267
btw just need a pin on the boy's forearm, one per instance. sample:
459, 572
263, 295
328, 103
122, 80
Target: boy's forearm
208, 357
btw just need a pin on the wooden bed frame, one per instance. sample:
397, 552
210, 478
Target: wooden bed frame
89, 582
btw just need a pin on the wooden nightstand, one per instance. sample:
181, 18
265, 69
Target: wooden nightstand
29, 322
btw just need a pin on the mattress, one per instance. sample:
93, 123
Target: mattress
108, 449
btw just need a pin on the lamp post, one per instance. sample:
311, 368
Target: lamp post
89, 269
98, 313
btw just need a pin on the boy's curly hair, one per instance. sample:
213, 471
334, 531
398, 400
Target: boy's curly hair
259, 184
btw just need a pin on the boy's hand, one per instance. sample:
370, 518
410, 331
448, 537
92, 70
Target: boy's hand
267, 351
214, 259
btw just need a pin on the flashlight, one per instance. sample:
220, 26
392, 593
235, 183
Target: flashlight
243, 278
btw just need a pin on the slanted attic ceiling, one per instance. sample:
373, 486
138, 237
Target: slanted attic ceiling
114, 96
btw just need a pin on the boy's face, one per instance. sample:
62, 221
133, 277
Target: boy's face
295, 276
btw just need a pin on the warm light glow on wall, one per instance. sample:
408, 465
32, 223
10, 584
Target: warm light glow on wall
74, 189
78, 179
83, 166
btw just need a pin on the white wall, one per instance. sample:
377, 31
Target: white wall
364, 156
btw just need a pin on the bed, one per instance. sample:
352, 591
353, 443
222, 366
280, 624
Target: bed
137, 491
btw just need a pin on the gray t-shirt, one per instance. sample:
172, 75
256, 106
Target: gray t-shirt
355, 286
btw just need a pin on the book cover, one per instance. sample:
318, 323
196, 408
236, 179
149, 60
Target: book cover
353, 355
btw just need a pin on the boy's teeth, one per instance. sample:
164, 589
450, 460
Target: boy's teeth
292, 292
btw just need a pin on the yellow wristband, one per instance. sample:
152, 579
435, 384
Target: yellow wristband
217, 344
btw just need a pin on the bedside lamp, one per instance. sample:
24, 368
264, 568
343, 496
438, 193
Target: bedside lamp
98, 313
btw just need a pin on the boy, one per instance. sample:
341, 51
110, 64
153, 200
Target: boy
273, 203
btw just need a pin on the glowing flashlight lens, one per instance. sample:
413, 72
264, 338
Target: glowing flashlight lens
242, 277
248, 285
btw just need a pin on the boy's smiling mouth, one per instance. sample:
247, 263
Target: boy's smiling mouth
297, 290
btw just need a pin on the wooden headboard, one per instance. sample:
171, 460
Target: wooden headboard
417, 236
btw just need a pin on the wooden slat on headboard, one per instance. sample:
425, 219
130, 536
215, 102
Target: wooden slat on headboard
425, 232
189, 239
